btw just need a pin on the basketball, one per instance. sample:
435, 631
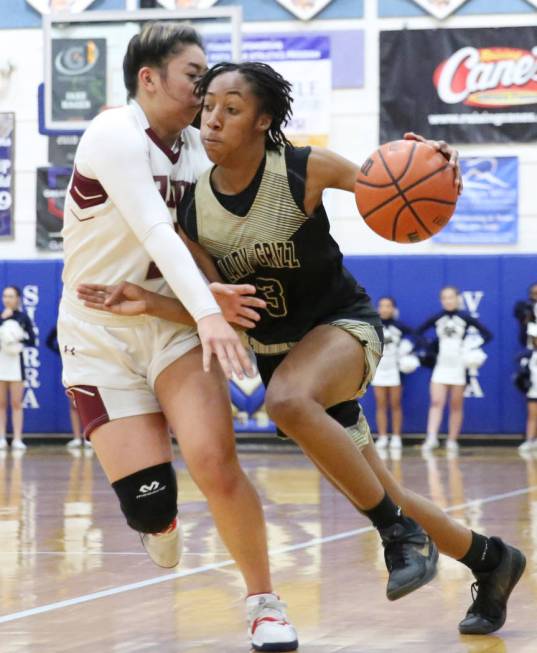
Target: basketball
406, 191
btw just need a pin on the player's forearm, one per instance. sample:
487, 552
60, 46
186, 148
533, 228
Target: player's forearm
168, 308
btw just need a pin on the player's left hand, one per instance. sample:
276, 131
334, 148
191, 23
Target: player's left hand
450, 153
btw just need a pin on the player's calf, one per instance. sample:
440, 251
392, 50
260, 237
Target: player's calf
148, 499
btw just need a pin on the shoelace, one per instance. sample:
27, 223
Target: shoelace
274, 606
479, 604
397, 551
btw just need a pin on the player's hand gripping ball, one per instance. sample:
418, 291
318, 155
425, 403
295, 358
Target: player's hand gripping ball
407, 190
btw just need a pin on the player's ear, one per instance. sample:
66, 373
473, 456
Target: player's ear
146, 77
264, 121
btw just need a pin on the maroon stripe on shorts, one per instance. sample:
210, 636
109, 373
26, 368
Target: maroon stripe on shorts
90, 407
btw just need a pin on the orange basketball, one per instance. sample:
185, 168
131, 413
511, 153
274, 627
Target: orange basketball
406, 191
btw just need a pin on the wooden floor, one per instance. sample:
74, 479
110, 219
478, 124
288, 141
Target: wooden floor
74, 578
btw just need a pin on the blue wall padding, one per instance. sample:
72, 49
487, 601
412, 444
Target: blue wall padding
414, 281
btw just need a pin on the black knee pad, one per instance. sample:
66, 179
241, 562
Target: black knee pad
148, 498
346, 413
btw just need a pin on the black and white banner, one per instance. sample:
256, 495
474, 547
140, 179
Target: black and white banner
7, 158
460, 85
51, 188
78, 78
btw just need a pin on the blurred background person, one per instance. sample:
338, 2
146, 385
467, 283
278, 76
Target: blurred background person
398, 346
16, 332
449, 379
525, 312
526, 382
77, 441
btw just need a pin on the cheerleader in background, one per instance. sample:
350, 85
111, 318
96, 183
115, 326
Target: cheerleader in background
526, 381
396, 357
525, 312
451, 326
16, 332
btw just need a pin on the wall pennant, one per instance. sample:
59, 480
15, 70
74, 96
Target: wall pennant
440, 8
304, 9
187, 4
53, 6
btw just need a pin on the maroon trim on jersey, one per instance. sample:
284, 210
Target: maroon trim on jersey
153, 272
173, 156
86, 192
90, 406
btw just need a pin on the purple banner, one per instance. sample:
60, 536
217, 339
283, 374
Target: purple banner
7, 157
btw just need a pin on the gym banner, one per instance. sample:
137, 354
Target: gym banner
459, 85
487, 210
51, 188
7, 158
303, 60
440, 8
78, 78
62, 150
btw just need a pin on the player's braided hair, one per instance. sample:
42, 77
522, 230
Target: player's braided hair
154, 46
270, 88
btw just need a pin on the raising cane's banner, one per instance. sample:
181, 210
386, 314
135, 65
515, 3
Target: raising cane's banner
459, 85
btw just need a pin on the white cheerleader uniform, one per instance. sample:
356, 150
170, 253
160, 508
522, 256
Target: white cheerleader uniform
11, 360
532, 392
451, 328
387, 374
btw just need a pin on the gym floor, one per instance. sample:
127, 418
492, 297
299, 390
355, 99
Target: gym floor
73, 577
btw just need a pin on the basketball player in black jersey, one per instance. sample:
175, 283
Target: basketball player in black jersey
257, 217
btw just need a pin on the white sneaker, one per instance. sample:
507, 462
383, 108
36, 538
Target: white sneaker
527, 445
431, 442
452, 445
268, 627
75, 443
382, 442
18, 444
164, 548
3, 443
396, 442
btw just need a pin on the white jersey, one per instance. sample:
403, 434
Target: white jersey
126, 183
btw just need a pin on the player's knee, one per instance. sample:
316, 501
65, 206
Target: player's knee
216, 471
16, 403
148, 498
284, 406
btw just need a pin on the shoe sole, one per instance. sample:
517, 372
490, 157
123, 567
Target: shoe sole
430, 573
497, 626
288, 646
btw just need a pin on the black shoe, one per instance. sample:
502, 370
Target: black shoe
411, 558
491, 591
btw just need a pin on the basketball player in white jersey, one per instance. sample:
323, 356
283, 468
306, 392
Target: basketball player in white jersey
129, 376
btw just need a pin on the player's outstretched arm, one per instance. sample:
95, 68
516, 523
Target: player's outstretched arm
237, 302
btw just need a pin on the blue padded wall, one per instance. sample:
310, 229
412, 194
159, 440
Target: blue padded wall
413, 280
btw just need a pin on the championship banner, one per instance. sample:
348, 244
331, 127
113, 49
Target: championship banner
7, 158
487, 210
440, 8
304, 9
51, 188
52, 6
78, 78
459, 85
187, 4
305, 62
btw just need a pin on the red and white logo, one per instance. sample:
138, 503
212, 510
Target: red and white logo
488, 77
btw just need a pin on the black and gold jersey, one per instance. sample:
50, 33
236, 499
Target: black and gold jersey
263, 236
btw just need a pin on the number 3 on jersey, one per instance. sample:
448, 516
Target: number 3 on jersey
271, 291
